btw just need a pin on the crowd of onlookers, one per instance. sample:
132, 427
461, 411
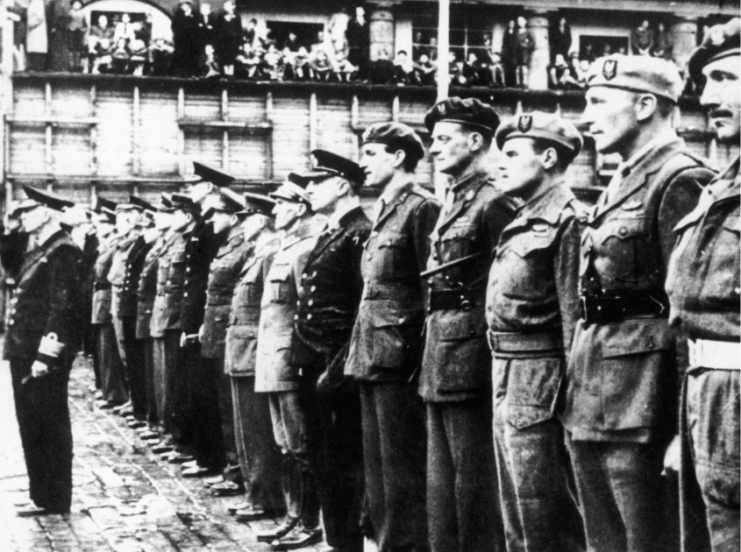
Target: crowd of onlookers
215, 44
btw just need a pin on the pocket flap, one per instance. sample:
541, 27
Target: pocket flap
382, 316
732, 223
459, 232
280, 272
393, 239
463, 325
638, 336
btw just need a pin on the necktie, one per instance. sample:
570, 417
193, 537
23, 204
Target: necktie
380, 208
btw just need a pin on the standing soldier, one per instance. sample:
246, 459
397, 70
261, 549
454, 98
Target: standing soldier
621, 388
386, 341
113, 384
222, 279
703, 287
462, 499
532, 306
329, 295
259, 456
275, 375
41, 344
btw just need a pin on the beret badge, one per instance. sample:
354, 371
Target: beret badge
525, 123
441, 108
609, 69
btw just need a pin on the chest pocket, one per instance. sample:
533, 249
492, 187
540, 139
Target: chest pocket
457, 242
526, 261
537, 239
721, 284
280, 288
623, 254
391, 259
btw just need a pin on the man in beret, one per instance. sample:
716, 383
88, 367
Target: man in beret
41, 344
703, 287
532, 306
386, 340
331, 286
455, 383
259, 455
222, 279
621, 391
274, 373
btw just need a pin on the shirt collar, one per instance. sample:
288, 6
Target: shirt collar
660, 141
333, 223
548, 205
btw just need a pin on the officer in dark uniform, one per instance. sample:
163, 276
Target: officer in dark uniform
41, 344
13, 244
386, 341
146, 292
703, 287
329, 295
532, 306
274, 373
124, 278
222, 279
110, 365
462, 499
621, 389
259, 456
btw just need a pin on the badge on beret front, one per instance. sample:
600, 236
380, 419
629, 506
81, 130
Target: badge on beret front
609, 69
525, 123
441, 108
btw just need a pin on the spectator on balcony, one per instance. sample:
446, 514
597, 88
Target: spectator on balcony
382, 71
77, 29
37, 40
588, 54
424, 71
273, 63
124, 30
643, 39
664, 45
186, 36
160, 57
560, 37
57, 23
207, 24
418, 46
403, 68
120, 57
139, 56
291, 44
358, 41
510, 47
344, 71
497, 71
210, 67
432, 50
321, 66
320, 45
228, 37
461, 72
298, 66
561, 75
337, 27
250, 33
525, 47
248, 63
100, 46
606, 50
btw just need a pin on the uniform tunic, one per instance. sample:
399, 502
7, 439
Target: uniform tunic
703, 287
47, 300
384, 353
621, 384
532, 308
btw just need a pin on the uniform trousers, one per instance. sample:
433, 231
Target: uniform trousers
112, 377
158, 377
46, 432
335, 444
259, 456
712, 436
208, 437
132, 356
622, 496
394, 452
462, 504
150, 387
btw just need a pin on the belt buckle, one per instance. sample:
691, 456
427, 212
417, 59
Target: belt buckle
584, 310
695, 350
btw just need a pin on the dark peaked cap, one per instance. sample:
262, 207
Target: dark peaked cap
257, 204
327, 164
182, 202
100, 203
228, 202
396, 136
211, 174
720, 41
143, 204
39, 198
470, 111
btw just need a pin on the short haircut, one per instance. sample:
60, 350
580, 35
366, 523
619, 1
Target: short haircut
410, 162
564, 155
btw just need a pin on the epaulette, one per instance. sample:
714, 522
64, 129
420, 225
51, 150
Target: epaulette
421, 191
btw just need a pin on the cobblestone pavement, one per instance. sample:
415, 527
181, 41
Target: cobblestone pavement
125, 498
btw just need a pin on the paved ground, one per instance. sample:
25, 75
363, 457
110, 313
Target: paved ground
125, 498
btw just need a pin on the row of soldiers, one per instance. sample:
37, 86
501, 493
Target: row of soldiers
505, 370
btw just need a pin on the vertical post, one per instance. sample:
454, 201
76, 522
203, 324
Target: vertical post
443, 46
181, 132
93, 135
270, 135
136, 114
312, 121
538, 24
48, 158
354, 124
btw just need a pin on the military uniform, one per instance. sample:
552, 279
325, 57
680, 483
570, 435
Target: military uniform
46, 301
384, 354
259, 456
703, 287
621, 388
112, 378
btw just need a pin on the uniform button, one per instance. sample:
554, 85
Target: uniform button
303, 276
374, 234
313, 274
401, 320
298, 303
301, 289
369, 257
295, 316
12, 311
311, 302
11, 322
187, 269
623, 231
185, 294
308, 317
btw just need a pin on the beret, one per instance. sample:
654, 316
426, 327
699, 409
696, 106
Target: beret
398, 136
638, 74
228, 202
541, 126
469, 111
143, 204
292, 190
720, 41
208, 173
328, 164
39, 198
181, 202
257, 204
99, 203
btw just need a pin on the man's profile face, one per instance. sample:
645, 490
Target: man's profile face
520, 167
324, 193
377, 164
610, 116
286, 213
722, 98
451, 147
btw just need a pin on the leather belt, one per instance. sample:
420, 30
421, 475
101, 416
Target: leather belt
617, 307
453, 299
101, 286
508, 342
716, 355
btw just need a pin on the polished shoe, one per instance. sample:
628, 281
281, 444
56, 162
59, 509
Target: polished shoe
298, 537
234, 508
252, 513
118, 409
269, 535
150, 436
180, 458
136, 424
227, 488
33, 511
161, 448
98, 395
198, 471
215, 480
103, 405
